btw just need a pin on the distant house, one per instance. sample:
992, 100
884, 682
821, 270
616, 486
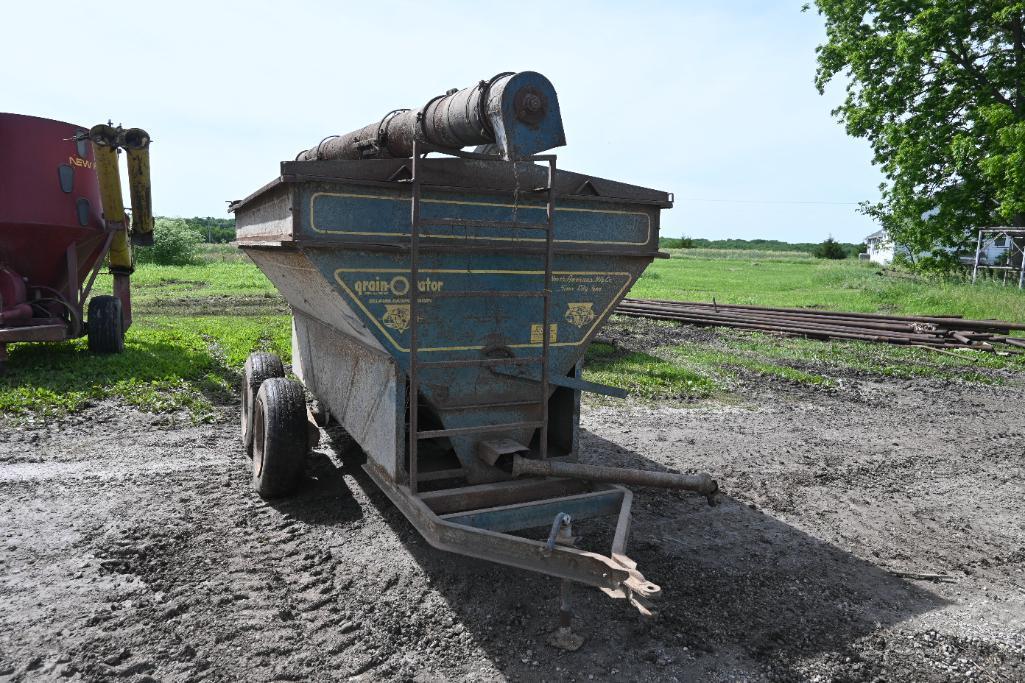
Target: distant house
882, 248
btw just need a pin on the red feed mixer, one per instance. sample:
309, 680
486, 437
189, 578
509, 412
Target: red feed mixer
61, 218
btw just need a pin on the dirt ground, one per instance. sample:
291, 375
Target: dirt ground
134, 549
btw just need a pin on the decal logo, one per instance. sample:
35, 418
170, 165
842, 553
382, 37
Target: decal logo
80, 162
396, 316
397, 286
535, 333
579, 314
381, 298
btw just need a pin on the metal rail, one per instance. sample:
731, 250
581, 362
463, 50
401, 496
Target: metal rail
418, 223
933, 332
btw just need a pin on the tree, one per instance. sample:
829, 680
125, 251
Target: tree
213, 229
175, 243
676, 242
938, 89
830, 249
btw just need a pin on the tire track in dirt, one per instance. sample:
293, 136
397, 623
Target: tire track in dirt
135, 550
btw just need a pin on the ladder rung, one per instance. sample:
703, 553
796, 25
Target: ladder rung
483, 292
459, 431
477, 362
474, 223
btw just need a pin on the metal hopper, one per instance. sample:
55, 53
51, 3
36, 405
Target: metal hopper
61, 219
442, 308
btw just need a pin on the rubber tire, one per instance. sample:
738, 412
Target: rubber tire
259, 368
106, 327
280, 437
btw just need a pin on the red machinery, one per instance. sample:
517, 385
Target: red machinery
60, 216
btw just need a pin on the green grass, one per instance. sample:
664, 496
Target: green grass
813, 362
208, 288
876, 359
731, 358
645, 377
725, 363
224, 278
214, 253
195, 325
792, 279
169, 364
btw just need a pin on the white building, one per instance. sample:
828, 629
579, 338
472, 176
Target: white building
881, 249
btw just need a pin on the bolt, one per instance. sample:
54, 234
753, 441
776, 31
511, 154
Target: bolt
532, 103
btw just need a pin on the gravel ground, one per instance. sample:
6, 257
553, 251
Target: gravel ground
133, 549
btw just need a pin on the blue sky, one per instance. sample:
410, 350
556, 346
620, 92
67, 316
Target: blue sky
711, 101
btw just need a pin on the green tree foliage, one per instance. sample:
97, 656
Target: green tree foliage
938, 89
676, 242
217, 230
759, 245
830, 249
175, 243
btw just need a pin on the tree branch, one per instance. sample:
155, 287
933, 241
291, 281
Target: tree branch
969, 66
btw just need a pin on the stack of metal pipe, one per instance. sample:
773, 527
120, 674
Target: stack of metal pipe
931, 331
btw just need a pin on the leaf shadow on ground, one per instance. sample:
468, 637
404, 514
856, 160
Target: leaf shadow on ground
735, 582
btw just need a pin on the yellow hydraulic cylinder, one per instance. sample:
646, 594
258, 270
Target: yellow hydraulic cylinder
105, 144
136, 144
120, 254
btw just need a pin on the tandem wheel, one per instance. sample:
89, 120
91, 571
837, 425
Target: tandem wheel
259, 367
280, 437
105, 325
274, 426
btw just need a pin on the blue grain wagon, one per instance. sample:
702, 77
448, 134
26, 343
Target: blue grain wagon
441, 309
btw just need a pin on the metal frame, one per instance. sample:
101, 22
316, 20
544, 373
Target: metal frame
73, 299
1012, 249
479, 532
420, 150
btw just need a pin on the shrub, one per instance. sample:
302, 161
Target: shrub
831, 249
175, 243
676, 243
216, 230
939, 262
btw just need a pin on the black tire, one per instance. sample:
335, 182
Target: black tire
280, 439
106, 328
259, 368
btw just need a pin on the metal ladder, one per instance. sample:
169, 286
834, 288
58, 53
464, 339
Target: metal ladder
415, 364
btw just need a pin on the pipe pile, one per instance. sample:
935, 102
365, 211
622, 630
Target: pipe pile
936, 332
